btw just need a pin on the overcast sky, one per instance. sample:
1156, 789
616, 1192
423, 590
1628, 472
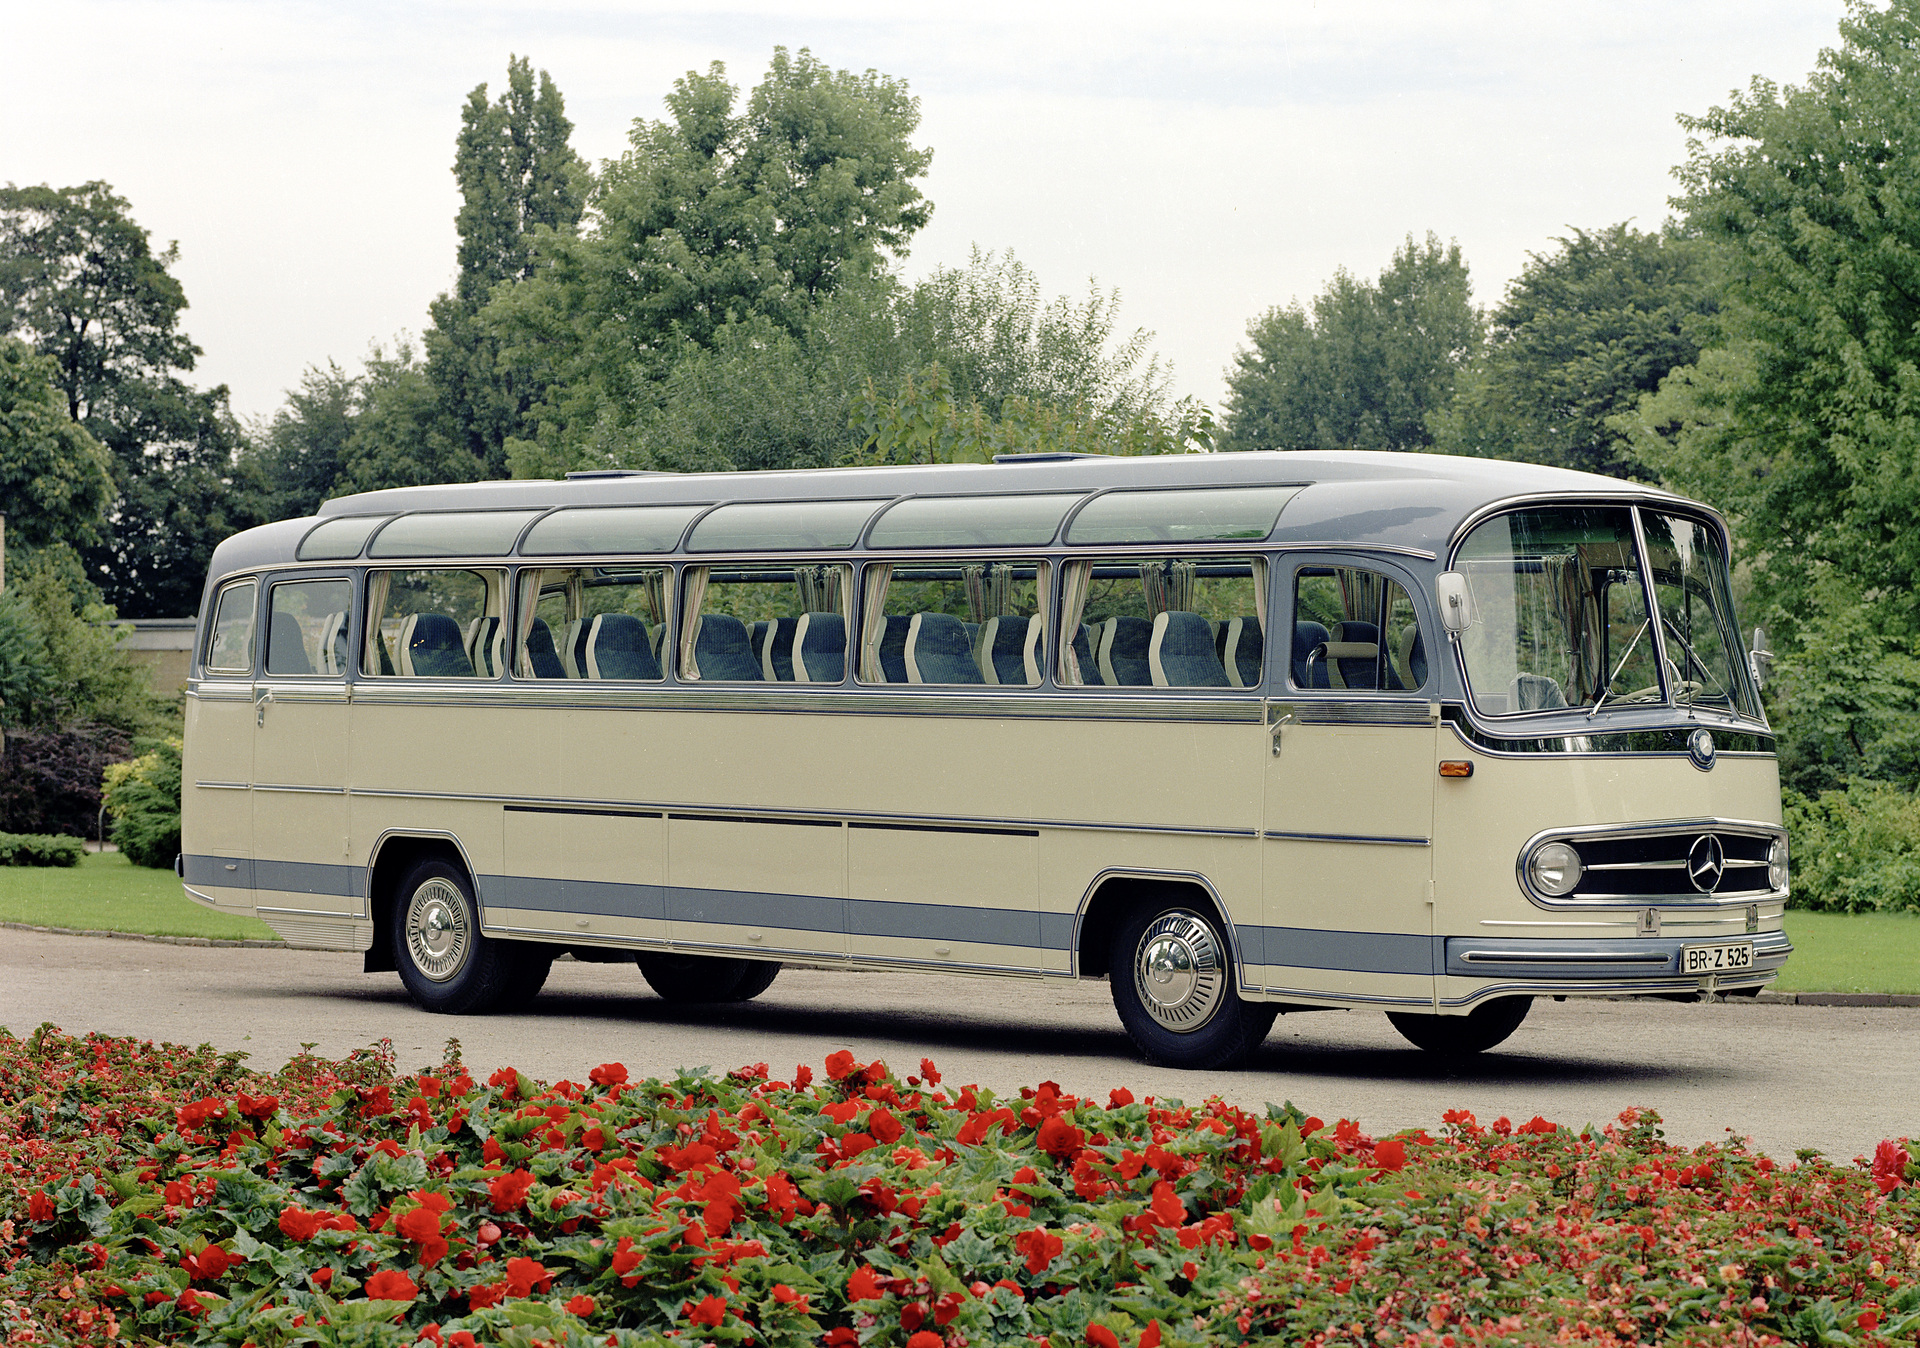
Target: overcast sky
1207, 160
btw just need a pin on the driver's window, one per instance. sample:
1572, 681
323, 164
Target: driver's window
1355, 629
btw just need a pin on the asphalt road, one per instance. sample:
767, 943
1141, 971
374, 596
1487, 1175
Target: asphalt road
1786, 1077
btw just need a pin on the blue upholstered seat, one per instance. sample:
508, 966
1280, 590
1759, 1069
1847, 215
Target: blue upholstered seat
893, 648
820, 648
1180, 653
938, 650
1308, 639
1241, 645
722, 650
483, 641
1534, 692
617, 648
776, 650
1410, 665
1356, 671
286, 646
334, 651
433, 647
1003, 650
542, 658
1084, 643
757, 637
1123, 652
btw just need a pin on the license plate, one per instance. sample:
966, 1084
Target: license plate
1716, 959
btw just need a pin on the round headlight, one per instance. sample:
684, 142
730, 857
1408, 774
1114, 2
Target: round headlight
1555, 869
1777, 864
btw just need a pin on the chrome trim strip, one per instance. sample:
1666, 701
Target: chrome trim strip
1647, 496
743, 812
222, 786
328, 913
204, 898
1135, 873
1599, 988
1306, 709
219, 692
1394, 549
1573, 957
1637, 866
1694, 902
1279, 836
1336, 1001
1682, 899
307, 790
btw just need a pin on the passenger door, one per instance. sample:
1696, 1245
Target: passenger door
302, 871
216, 839
1347, 850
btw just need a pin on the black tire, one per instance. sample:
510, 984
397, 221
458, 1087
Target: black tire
447, 965
1170, 970
532, 963
1486, 1025
705, 978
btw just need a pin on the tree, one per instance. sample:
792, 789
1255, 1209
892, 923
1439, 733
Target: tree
1365, 367
304, 449
55, 483
518, 175
80, 284
1583, 333
718, 217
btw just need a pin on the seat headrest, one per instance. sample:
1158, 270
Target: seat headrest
1180, 653
820, 648
939, 650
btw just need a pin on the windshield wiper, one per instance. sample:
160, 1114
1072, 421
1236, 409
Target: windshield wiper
1607, 691
1693, 655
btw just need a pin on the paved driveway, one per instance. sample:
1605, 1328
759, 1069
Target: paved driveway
1838, 1079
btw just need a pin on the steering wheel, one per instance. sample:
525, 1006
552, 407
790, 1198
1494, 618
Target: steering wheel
1685, 688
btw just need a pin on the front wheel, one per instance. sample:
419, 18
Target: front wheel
1486, 1025
447, 965
706, 978
1170, 970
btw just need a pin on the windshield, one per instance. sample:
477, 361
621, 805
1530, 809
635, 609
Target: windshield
1562, 613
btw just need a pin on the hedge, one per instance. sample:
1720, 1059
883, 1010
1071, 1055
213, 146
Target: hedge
40, 849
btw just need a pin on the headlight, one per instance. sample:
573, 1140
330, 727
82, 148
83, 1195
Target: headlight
1777, 864
1555, 869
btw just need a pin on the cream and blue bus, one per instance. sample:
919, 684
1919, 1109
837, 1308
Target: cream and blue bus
1240, 734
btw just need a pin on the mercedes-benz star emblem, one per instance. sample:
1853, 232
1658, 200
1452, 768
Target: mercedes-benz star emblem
1700, 749
1706, 863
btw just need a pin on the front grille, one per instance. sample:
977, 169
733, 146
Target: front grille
1657, 867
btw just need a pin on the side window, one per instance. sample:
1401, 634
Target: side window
307, 627
974, 622
589, 622
435, 624
1355, 629
772, 624
1163, 623
230, 643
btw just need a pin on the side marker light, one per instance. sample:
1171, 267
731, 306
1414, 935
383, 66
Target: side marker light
1456, 767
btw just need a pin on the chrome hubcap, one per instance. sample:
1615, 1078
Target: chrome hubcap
437, 932
1180, 971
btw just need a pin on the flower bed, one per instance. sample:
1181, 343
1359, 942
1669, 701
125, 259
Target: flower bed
167, 1195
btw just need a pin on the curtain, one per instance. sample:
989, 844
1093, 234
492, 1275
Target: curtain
873, 619
1260, 591
974, 577
530, 582
1360, 594
379, 583
1153, 585
1074, 584
654, 590
1180, 584
693, 592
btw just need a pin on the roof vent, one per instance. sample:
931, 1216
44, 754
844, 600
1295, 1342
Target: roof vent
1050, 456
586, 474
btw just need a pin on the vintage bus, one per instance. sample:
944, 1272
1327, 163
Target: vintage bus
1239, 733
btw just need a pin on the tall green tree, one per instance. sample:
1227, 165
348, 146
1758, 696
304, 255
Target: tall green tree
55, 479
302, 452
1365, 366
81, 284
723, 215
1582, 334
518, 175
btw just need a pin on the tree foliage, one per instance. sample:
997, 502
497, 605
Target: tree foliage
55, 482
1583, 333
1365, 366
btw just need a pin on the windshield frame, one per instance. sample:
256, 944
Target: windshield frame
1745, 709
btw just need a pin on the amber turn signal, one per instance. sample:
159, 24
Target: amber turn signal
1457, 767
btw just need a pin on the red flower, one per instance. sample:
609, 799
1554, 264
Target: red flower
1150, 1336
1119, 1097
1889, 1166
485, 1294
199, 1112
1390, 1154
928, 1072
209, 1264
710, 1312
460, 1338
509, 1191
321, 1276
525, 1277
419, 1225
625, 1260
802, 1077
581, 1305
39, 1206
296, 1223
390, 1284
926, 1338
1060, 1139
1102, 1337
1040, 1246
841, 1065
608, 1074
864, 1285
1536, 1124
1166, 1206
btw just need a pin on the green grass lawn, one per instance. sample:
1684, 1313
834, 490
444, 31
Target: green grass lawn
106, 892
1858, 952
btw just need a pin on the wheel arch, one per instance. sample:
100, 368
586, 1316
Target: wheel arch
395, 852
1114, 892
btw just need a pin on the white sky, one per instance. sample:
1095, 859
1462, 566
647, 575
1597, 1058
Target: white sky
1208, 160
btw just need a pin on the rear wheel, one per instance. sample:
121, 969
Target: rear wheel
447, 965
1486, 1025
706, 978
1171, 973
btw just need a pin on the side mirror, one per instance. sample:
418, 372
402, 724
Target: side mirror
1759, 658
1456, 609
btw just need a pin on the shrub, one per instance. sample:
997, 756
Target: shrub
143, 796
40, 849
50, 779
1856, 850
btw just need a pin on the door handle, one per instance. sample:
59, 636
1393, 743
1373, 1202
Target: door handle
1286, 718
260, 708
